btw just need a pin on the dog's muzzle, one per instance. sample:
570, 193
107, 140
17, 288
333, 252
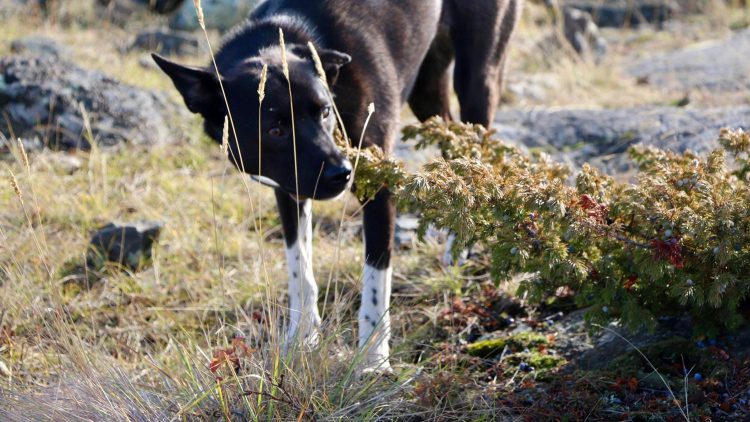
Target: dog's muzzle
337, 177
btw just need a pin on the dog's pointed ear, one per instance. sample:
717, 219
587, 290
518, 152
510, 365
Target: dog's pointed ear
199, 87
331, 60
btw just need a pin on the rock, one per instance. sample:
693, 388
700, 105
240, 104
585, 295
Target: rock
43, 98
62, 162
124, 12
583, 34
127, 244
603, 137
165, 42
721, 66
619, 13
4, 370
161, 6
218, 14
406, 231
526, 89
157, 6
608, 346
9, 8
40, 46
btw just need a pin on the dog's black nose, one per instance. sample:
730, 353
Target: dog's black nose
338, 175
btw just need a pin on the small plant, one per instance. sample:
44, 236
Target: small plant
673, 241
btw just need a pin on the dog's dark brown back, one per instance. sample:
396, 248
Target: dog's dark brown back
387, 40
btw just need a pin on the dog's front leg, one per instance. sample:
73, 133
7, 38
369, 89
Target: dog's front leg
374, 317
296, 218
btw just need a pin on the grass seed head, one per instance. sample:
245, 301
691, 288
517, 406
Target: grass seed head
284, 63
225, 136
262, 84
24, 157
318, 63
199, 12
14, 185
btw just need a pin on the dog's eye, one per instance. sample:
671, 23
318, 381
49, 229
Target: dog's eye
325, 112
275, 132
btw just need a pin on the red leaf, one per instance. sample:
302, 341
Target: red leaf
632, 384
594, 210
630, 282
668, 250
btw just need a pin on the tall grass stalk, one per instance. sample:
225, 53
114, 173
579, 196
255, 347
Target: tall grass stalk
370, 111
29, 220
683, 412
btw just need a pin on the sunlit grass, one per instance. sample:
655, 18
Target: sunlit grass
109, 344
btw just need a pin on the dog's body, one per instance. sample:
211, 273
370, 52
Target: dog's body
400, 51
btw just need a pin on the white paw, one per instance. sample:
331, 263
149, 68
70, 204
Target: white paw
303, 332
376, 364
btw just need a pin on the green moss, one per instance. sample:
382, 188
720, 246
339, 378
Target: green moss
542, 365
541, 362
515, 342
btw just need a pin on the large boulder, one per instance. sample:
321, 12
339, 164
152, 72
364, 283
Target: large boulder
49, 99
721, 66
158, 6
165, 42
218, 14
583, 34
603, 137
620, 13
40, 46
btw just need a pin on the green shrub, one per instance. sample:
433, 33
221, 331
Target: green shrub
675, 240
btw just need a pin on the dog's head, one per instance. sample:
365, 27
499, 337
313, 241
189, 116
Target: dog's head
266, 133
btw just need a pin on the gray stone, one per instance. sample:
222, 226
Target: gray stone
127, 244
620, 13
129, 6
39, 45
43, 98
602, 137
597, 351
166, 42
9, 8
583, 34
161, 6
218, 14
64, 162
406, 231
717, 66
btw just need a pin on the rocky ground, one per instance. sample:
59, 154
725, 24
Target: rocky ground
716, 68
619, 74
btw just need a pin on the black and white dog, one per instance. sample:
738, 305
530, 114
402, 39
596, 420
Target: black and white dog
386, 52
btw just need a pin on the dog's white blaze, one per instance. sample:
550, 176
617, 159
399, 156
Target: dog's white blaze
374, 317
303, 291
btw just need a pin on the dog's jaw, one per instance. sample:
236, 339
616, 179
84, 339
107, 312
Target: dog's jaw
375, 319
304, 319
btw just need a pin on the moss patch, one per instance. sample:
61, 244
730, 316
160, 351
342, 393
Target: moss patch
514, 343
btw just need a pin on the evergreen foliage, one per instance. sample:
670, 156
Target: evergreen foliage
674, 241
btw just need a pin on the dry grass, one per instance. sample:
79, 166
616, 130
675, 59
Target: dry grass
161, 324
113, 345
